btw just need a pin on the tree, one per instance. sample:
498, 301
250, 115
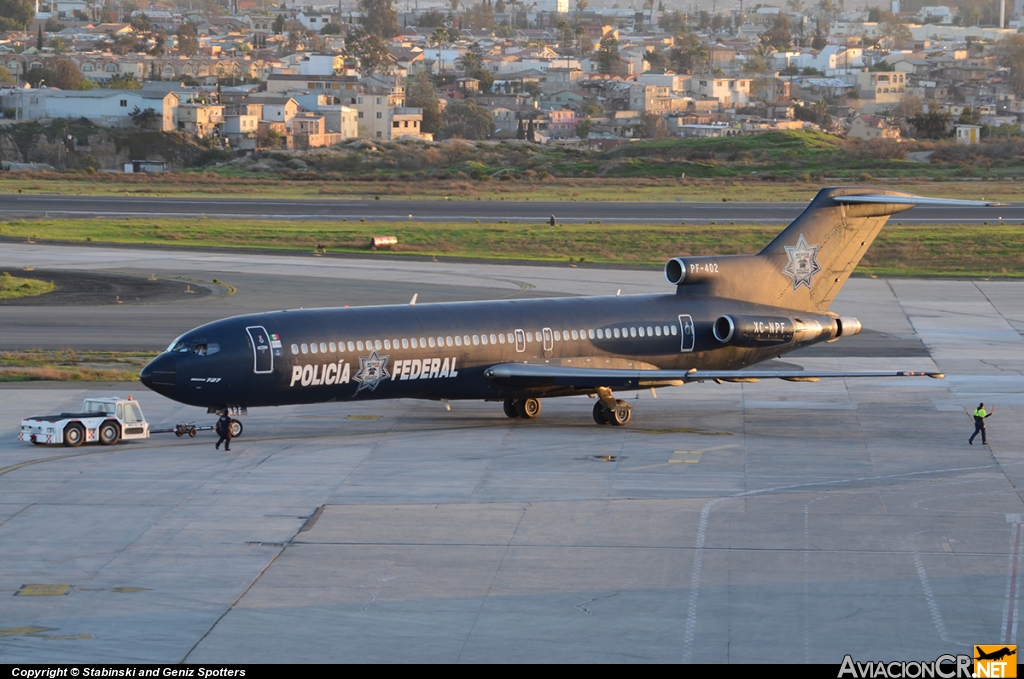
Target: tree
39, 39
279, 25
893, 33
16, 14
656, 61
608, 54
652, 126
144, 119
53, 26
969, 117
188, 39
379, 17
779, 35
466, 120
368, 48
583, 128
689, 54
421, 93
1011, 54
931, 125
61, 73
430, 19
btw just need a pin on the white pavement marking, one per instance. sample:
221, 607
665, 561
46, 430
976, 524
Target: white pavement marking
698, 557
1008, 634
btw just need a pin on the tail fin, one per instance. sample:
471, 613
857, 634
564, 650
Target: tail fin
807, 264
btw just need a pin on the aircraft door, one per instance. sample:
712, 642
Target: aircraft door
549, 342
686, 327
263, 357
520, 341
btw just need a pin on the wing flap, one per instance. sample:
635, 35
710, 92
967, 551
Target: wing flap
527, 375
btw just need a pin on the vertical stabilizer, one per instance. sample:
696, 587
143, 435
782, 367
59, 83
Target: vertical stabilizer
806, 265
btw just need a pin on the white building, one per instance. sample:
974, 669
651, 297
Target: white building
110, 108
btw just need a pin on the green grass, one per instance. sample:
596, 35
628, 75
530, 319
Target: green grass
913, 250
72, 366
13, 288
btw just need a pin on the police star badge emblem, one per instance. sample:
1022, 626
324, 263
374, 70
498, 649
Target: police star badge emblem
803, 263
372, 370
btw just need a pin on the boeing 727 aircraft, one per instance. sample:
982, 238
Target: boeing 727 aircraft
726, 314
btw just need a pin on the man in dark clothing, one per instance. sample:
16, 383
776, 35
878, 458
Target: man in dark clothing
979, 423
224, 431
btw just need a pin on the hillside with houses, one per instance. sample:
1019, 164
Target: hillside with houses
239, 76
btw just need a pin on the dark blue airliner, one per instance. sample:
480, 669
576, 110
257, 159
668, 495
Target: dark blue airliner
726, 314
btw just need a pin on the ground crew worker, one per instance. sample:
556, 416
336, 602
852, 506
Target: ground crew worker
979, 423
224, 431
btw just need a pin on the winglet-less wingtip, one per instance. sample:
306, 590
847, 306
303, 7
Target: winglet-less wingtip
855, 199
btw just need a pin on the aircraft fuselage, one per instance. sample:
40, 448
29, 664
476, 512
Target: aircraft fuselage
440, 351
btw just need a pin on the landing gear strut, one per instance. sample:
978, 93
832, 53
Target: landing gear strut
609, 411
527, 408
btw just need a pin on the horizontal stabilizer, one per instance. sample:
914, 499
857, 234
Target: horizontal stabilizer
921, 201
526, 375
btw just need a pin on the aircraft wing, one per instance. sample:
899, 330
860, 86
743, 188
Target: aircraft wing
525, 375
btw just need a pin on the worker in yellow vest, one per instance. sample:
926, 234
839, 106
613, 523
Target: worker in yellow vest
979, 423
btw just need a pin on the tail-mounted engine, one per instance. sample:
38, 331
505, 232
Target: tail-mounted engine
760, 331
690, 270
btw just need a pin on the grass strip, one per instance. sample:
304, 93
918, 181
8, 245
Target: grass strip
986, 250
72, 366
557, 189
13, 288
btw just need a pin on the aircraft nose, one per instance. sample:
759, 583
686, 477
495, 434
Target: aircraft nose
161, 374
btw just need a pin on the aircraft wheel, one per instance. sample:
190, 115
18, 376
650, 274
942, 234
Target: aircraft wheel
110, 433
620, 416
528, 408
510, 408
600, 413
236, 429
74, 434
192, 432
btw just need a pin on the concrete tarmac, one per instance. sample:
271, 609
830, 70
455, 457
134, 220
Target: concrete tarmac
769, 522
14, 206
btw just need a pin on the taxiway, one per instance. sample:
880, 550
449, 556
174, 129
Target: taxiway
770, 522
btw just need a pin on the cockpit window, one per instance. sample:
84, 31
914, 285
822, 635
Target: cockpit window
199, 347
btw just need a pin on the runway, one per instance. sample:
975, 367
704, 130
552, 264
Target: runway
14, 206
770, 522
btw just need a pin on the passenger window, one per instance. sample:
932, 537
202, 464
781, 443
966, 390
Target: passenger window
333, 347
494, 340
483, 340
675, 331
448, 341
351, 347
405, 343
387, 344
600, 333
359, 345
458, 341
305, 348
501, 338
590, 333
574, 335
323, 348
616, 331
476, 340
657, 330
431, 341
529, 337
632, 332
376, 344
642, 332
312, 348
465, 340
511, 338
295, 349
558, 336
423, 342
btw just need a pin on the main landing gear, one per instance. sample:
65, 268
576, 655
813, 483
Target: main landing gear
526, 408
607, 410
